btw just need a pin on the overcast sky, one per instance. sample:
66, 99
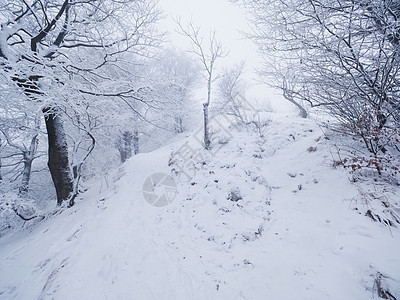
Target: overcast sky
229, 21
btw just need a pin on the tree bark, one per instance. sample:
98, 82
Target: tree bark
303, 113
26, 176
125, 145
287, 95
136, 142
206, 127
1, 165
58, 162
207, 141
28, 157
179, 125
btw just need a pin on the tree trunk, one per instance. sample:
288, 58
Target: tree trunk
26, 176
287, 95
136, 142
125, 146
178, 124
28, 158
58, 162
207, 141
302, 111
1, 165
206, 127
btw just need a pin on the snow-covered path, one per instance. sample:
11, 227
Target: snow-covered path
293, 235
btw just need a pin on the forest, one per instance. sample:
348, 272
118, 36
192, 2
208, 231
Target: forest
90, 90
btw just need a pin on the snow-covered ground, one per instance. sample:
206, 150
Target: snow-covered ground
254, 218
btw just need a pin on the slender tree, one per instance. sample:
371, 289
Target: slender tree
208, 53
27, 153
341, 56
175, 75
58, 52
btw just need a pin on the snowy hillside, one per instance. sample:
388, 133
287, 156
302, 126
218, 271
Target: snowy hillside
255, 218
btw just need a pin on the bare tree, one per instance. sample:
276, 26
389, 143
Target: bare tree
16, 129
288, 90
232, 92
1, 163
208, 52
175, 75
341, 56
59, 52
234, 102
124, 145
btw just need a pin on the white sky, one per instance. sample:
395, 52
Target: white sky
228, 20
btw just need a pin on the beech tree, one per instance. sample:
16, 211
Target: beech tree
174, 75
18, 152
339, 56
20, 133
124, 145
59, 54
232, 92
208, 52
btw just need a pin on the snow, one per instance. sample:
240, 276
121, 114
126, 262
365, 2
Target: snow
294, 234
5, 33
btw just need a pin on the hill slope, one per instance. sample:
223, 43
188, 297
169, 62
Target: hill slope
255, 218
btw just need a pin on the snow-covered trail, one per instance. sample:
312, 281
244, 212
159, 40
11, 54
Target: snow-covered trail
292, 236
324, 247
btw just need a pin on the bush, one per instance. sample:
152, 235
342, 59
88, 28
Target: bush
15, 211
